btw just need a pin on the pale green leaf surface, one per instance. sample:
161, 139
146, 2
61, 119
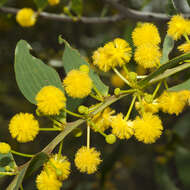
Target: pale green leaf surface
73, 60
31, 73
167, 48
41, 4
6, 160
168, 65
183, 86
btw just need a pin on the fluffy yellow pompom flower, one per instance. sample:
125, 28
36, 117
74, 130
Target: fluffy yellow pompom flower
53, 2
100, 59
50, 100
148, 128
77, 84
4, 148
171, 102
59, 165
115, 53
87, 160
185, 95
103, 120
121, 128
24, 127
148, 55
47, 181
26, 17
184, 47
148, 107
178, 26
146, 33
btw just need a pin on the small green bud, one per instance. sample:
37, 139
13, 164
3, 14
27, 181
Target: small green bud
117, 91
7, 168
84, 68
132, 76
148, 98
83, 109
66, 10
111, 139
77, 132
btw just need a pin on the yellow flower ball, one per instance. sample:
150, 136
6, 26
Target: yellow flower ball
184, 47
23, 127
103, 120
50, 100
100, 59
185, 95
147, 55
171, 102
77, 84
148, 107
53, 2
148, 128
59, 163
115, 53
4, 148
146, 33
121, 128
47, 181
178, 26
87, 160
26, 17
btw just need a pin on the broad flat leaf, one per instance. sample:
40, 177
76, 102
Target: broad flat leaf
36, 163
73, 60
31, 73
170, 72
17, 181
183, 86
77, 7
6, 160
41, 4
167, 48
27, 170
169, 65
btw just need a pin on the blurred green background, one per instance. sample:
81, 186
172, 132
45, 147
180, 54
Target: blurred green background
126, 164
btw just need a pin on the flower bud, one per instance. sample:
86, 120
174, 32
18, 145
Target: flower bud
132, 76
117, 91
83, 109
111, 139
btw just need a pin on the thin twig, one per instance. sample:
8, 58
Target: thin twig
64, 18
139, 15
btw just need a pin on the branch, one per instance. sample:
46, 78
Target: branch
64, 18
139, 15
